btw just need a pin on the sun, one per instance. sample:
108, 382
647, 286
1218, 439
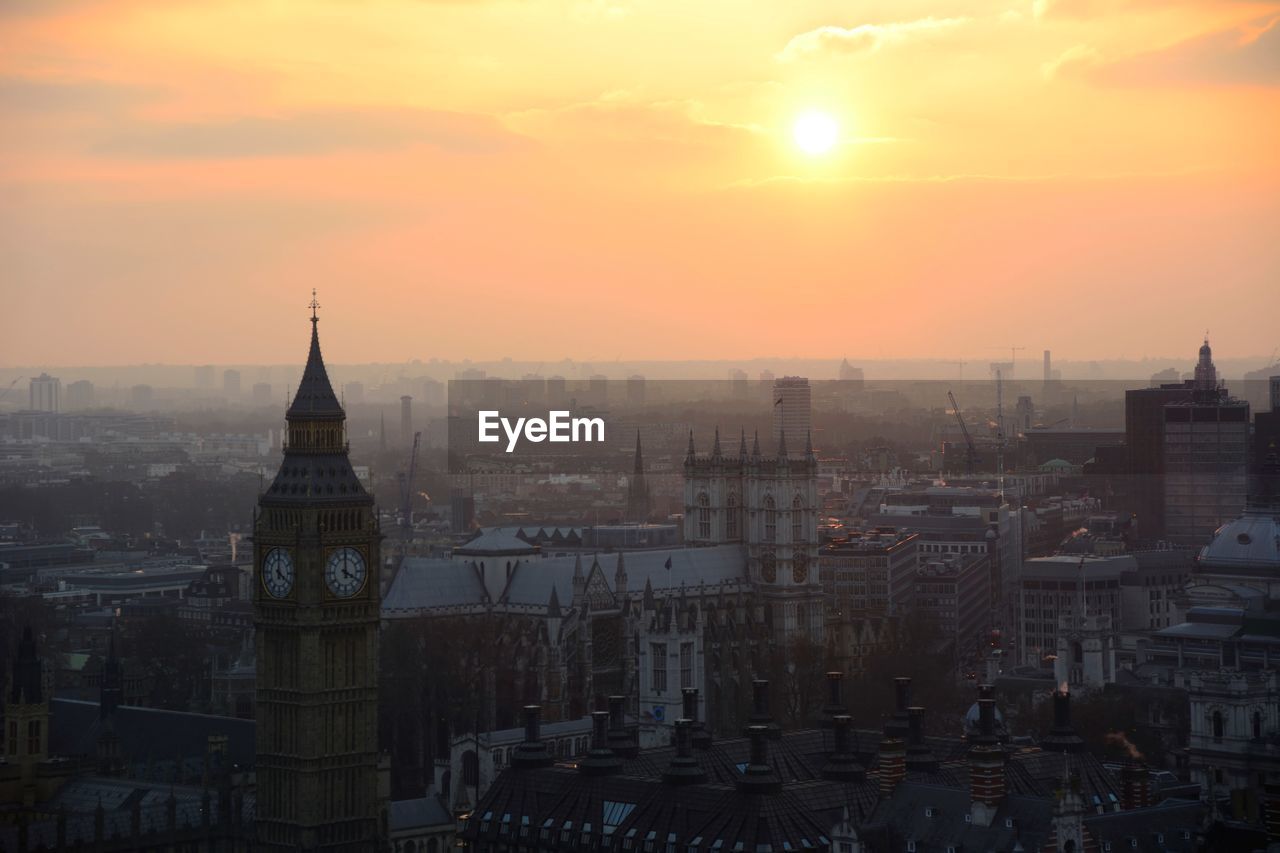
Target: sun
815, 132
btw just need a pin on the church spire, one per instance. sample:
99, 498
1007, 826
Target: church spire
742, 446
715, 448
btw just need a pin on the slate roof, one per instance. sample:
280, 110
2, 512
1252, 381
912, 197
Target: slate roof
420, 813
429, 583
1169, 827
314, 398
933, 816
164, 735
424, 583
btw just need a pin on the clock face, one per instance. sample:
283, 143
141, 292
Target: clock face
277, 573
344, 572
768, 567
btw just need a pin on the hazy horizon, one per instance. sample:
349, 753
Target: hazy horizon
609, 179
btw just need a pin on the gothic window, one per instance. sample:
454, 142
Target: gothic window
704, 516
470, 768
800, 566
1217, 725
658, 651
797, 519
33, 737
686, 665
1257, 725
731, 522
768, 567
770, 519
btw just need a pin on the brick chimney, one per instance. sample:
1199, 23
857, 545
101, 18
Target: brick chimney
1135, 787
893, 764
621, 741
986, 766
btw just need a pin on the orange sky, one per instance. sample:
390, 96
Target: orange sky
604, 179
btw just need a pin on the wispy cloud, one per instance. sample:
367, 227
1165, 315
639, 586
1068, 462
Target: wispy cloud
309, 134
1248, 55
1074, 58
864, 38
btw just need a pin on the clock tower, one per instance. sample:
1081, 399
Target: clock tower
316, 610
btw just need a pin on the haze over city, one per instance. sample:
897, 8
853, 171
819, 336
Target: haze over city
650, 180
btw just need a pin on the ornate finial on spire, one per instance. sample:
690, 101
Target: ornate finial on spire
715, 448
313, 306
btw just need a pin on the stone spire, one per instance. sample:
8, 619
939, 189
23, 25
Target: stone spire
314, 398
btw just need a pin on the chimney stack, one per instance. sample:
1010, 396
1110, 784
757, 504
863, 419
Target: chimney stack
893, 765
532, 752
987, 781
1135, 785
620, 740
919, 756
701, 735
835, 703
896, 726
758, 777
1062, 737
601, 760
842, 765
684, 768
760, 715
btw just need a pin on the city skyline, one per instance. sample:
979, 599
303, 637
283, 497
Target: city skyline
911, 176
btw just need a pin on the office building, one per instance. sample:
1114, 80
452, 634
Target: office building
80, 395
231, 384
46, 393
792, 413
1206, 458
870, 572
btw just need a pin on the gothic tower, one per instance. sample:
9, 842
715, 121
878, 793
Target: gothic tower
316, 607
26, 716
638, 504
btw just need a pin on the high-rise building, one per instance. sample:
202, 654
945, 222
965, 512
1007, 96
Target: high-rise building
231, 384
1266, 437
850, 376
1144, 440
1206, 458
80, 395
316, 609
406, 419
140, 397
791, 414
635, 390
46, 393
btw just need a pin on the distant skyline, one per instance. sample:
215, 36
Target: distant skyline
622, 180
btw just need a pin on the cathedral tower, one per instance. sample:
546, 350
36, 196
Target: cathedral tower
316, 609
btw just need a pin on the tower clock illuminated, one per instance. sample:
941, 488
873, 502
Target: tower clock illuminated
277, 572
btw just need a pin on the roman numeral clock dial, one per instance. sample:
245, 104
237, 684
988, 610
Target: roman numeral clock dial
277, 573
344, 572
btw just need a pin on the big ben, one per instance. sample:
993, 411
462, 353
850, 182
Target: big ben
316, 609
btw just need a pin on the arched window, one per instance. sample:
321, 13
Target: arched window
470, 768
731, 522
770, 519
433, 845
1217, 725
1257, 725
704, 516
797, 520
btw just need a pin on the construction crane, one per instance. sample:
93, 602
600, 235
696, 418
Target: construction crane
5, 392
970, 452
406, 487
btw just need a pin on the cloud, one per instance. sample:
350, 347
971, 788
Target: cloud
32, 95
864, 38
1247, 55
312, 133
1072, 59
